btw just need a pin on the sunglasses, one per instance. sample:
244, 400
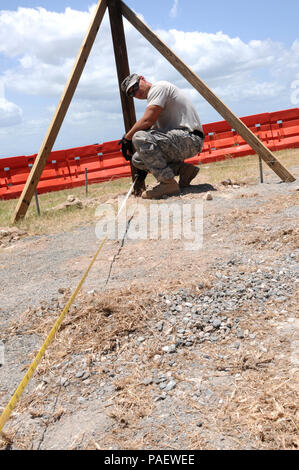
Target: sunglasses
132, 91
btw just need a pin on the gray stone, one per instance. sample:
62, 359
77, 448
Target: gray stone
160, 379
80, 374
161, 397
208, 329
216, 323
170, 386
63, 382
169, 349
214, 338
148, 381
240, 333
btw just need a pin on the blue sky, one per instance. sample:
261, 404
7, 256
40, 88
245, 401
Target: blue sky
248, 54
257, 19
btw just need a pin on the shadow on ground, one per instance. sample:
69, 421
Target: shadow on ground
198, 188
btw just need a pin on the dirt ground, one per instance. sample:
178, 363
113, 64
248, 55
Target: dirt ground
137, 364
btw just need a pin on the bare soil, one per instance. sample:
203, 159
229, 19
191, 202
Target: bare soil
98, 384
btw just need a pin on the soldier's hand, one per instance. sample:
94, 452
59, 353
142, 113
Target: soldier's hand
139, 185
126, 148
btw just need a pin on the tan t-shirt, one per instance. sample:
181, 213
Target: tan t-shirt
178, 111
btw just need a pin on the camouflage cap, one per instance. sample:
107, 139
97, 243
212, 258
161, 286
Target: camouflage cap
129, 82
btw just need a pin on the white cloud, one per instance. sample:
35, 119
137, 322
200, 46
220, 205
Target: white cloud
41, 48
174, 9
2, 91
10, 113
49, 36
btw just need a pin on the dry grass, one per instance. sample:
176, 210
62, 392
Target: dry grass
266, 405
245, 169
98, 325
258, 408
62, 220
240, 170
263, 400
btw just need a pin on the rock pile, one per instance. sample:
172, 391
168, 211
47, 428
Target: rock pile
10, 234
73, 201
212, 314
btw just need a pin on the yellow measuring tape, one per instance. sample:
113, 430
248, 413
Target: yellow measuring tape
19, 391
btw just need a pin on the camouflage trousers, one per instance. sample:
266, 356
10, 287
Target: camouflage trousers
162, 153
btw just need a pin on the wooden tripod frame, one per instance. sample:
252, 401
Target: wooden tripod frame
118, 9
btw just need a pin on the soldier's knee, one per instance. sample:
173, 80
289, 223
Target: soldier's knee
139, 138
137, 162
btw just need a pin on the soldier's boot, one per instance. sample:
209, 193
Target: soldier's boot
166, 188
187, 173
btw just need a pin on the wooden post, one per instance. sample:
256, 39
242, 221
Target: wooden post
261, 169
121, 60
60, 113
86, 183
122, 64
208, 94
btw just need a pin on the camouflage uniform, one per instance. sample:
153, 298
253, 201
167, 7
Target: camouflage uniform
162, 153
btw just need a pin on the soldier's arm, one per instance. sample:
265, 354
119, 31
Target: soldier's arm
149, 118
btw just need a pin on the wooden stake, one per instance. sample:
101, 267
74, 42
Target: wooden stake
261, 169
208, 94
122, 64
121, 60
37, 203
86, 183
70, 88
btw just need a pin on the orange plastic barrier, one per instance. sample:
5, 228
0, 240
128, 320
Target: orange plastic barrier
285, 129
222, 142
66, 168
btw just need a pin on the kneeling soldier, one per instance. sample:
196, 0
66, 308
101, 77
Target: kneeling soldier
168, 133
